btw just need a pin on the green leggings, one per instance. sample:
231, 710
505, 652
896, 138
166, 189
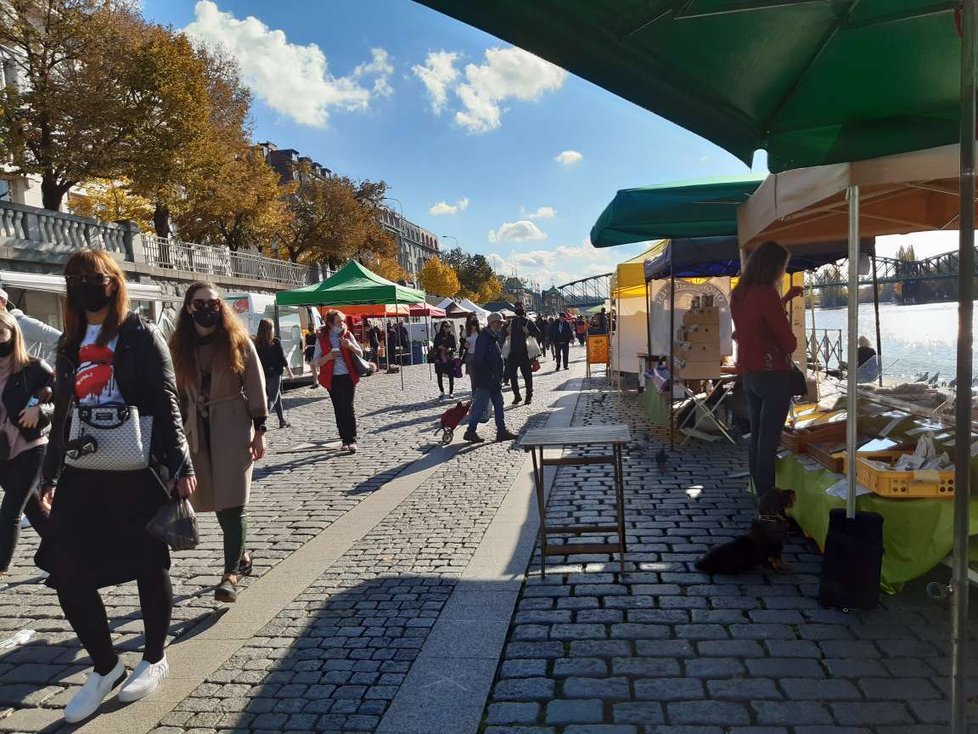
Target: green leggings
234, 525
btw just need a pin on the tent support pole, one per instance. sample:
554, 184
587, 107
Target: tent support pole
962, 408
400, 359
648, 317
852, 398
672, 359
876, 309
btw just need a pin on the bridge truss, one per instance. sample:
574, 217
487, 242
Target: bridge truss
586, 292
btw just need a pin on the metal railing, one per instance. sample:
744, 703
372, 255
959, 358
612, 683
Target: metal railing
825, 348
220, 261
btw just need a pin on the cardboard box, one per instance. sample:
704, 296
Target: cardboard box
689, 370
708, 316
699, 351
702, 333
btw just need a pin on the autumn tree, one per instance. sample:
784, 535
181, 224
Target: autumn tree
333, 219
385, 266
241, 203
438, 279
98, 90
112, 200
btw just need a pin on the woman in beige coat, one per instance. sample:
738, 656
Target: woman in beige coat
222, 396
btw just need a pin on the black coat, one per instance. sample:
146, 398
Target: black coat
144, 375
272, 358
517, 339
487, 362
563, 333
21, 386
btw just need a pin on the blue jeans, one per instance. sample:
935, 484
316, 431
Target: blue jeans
768, 398
479, 404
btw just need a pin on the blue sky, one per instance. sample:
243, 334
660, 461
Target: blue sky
478, 141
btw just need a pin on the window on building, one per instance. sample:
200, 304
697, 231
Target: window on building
6, 192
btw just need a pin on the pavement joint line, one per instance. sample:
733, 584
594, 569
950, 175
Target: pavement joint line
510, 538
194, 659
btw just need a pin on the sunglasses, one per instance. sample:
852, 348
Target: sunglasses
92, 279
81, 446
211, 304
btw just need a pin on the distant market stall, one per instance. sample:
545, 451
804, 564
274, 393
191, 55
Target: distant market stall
353, 285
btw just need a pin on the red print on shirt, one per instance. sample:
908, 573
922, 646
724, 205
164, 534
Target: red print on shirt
94, 376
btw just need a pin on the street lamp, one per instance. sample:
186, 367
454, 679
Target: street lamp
400, 231
450, 237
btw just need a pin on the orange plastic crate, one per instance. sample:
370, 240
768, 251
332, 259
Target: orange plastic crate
900, 484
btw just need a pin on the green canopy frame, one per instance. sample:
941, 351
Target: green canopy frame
702, 208
353, 285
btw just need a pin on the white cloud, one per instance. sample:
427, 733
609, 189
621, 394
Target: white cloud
532, 259
483, 89
522, 231
291, 78
443, 208
438, 74
544, 212
569, 157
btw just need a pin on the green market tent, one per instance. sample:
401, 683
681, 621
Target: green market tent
703, 208
351, 285
811, 82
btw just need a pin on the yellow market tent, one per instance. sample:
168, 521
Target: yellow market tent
629, 299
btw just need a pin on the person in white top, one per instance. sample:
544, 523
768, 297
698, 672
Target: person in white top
471, 336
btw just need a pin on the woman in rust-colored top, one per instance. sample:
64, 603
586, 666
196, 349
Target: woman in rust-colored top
765, 344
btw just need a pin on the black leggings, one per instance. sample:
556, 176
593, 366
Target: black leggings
768, 399
342, 394
234, 527
18, 477
520, 363
443, 370
82, 605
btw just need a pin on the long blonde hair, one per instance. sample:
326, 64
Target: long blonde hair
231, 344
19, 358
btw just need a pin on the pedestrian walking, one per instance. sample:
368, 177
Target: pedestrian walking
225, 407
338, 374
471, 337
309, 348
765, 343
373, 339
519, 330
445, 346
552, 338
541, 324
580, 328
25, 406
487, 371
274, 366
563, 336
113, 360
39, 338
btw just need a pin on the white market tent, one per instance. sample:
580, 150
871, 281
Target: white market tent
479, 311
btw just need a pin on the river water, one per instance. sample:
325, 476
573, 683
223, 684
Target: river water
916, 339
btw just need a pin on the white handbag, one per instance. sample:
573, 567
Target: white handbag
533, 349
109, 438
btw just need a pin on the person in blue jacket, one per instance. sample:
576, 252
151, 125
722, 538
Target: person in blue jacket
487, 367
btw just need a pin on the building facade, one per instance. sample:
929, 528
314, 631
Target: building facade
415, 244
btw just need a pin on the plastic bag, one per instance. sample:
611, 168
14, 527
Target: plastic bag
175, 523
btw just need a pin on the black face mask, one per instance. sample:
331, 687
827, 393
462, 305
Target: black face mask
6, 348
88, 296
206, 317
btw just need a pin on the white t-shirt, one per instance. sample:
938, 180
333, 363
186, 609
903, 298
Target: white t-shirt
95, 377
470, 341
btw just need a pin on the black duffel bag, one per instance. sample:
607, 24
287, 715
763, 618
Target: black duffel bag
852, 562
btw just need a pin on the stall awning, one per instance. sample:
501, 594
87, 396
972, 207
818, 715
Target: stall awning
899, 194
628, 280
809, 82
56, 284
703, 208
352, 285
424, 309
711, 257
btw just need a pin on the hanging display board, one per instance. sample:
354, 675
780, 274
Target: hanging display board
686, 290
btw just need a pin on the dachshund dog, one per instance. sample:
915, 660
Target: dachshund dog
761, 545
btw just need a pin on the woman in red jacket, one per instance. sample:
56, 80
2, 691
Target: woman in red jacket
333, 358
765, 344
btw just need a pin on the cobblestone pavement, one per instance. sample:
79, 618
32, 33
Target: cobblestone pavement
333, 659
667, 650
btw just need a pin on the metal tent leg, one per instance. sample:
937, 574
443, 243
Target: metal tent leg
852, 399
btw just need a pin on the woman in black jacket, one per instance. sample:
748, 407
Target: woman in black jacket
274, 365
25, 410
111, 362
445, 346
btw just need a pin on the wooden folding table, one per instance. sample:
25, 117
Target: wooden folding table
614, 436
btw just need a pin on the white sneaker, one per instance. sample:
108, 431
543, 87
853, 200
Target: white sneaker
352, 448
86, 702
145, 679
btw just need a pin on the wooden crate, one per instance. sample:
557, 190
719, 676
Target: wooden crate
797, 442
